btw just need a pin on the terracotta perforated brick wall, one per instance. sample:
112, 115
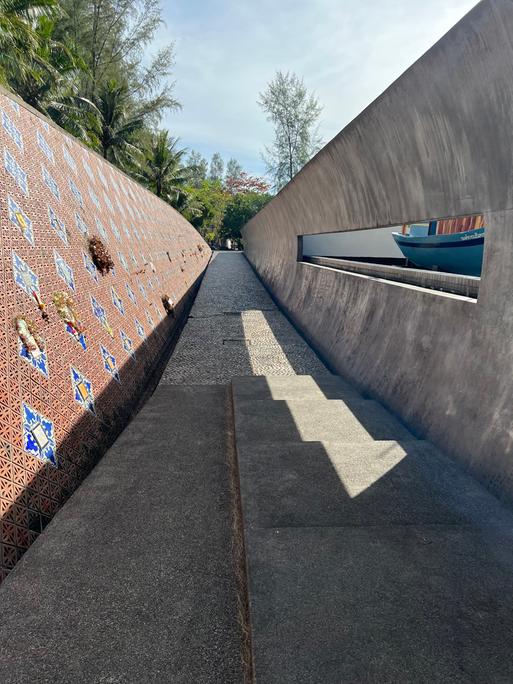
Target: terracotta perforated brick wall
60, 411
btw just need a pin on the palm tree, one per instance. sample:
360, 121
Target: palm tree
18, 38
117, 123
49, 80
163, 171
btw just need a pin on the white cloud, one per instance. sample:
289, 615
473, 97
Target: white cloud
347, 51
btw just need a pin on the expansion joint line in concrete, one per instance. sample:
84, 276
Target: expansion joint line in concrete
238, 545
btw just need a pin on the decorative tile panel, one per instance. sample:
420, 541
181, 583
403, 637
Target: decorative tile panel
90, 267
51, 183
127, 343
109, 363
101, 229
38, 435
12, 130
82, 390
44, 146
64, 270
116, 300
39, 360
76, 192
58, 225
24, 277
69, 159
15, 171
29, 234
130, 294
139, 328
80, 223
20, 220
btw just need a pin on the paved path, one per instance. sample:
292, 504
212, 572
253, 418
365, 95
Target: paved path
235, 329
134, 580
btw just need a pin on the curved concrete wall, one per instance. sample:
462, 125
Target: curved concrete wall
59, 413
437, 143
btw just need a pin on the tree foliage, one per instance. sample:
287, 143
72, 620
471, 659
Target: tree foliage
84, 63
216, 167
294, 113
240, 208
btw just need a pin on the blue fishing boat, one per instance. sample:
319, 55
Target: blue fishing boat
456, 252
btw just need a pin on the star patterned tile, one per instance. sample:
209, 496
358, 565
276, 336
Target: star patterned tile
24, 276
82, 390
64, 270
109, 363
38, 435
20, 220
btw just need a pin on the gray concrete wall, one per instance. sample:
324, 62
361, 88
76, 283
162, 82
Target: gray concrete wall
437, 143
374, 243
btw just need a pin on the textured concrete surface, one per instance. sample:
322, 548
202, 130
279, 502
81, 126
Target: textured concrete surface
133, 580
235, 329
309, 420
369, 561
426, 148
466, 286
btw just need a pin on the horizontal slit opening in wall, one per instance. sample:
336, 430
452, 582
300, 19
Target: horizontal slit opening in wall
445, 255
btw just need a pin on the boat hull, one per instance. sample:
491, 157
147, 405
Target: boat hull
454, 253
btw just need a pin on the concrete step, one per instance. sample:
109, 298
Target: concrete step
334, 484
296, 387
353, 420
371, 557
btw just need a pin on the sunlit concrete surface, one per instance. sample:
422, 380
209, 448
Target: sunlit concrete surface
235, 329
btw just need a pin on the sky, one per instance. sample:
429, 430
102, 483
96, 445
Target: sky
347, 52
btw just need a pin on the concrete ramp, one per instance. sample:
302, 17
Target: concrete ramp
134, 579
371, 557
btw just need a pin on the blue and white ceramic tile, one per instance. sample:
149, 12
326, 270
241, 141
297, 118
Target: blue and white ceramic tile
94, 198
149, 319
51, 183
82, 390
14, 105
24, 276
101, 229
78, 337
58, 225
88, 169
143, 291
44, 146
108, 202
116, 300
127, 343
109, 363
40, 363
115, 230
90, 267
103, 180
38, 435
20, 220
64, 270
15, 171
81, 224
140, 329
69, 159
12, 130
122, 261
130, 293
76, 192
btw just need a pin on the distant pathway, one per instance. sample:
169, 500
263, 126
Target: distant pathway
235, 329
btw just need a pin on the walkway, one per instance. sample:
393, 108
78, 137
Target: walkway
235, 329
371, 557
135, 579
